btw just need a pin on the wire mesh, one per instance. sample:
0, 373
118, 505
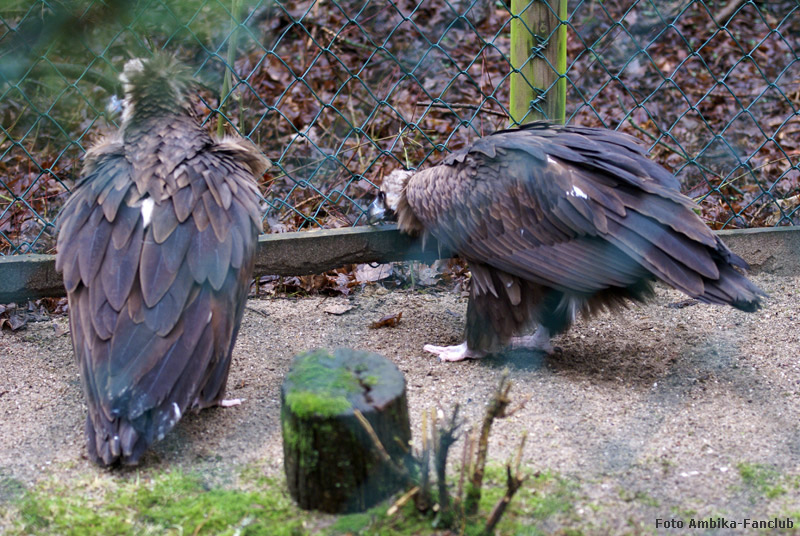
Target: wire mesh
338, 93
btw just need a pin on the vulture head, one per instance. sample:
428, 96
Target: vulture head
390, 203
160, 84
557, 221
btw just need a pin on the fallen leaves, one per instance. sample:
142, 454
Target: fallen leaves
14, 317
337, 308
389, 321
713, 103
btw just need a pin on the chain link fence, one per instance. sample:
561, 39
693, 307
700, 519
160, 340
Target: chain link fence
337, 93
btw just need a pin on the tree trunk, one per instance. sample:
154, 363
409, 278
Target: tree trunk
331, 462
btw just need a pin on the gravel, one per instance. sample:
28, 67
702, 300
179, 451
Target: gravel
652, 413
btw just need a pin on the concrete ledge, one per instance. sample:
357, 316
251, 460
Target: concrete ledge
26, 277
774, 250
313, 252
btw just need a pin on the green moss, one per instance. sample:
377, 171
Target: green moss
168, 503
319, 385
250, 503
763, 478
637, 496
307, 403
371, 380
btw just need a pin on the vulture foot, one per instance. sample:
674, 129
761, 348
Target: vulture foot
230, 403
539, 341
454, 353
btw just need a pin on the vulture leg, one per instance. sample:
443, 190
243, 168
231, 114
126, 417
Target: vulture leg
230, 403
493, 317
538, 342
454, 353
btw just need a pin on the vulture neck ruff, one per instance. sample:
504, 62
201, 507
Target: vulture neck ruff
395, 187
156, 87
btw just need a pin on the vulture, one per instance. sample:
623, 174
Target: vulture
555, 221
156, 245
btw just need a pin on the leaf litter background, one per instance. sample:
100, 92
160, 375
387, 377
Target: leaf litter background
338, 94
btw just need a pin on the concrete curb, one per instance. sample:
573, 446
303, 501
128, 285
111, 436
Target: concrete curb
26, 277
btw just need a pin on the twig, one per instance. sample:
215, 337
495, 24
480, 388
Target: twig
398, 470
496, 409
336, 37
726, 12
519, 452
661, 142
447, 436
227, 75
254, 310
198, 527
399, 503
745, 174
466, 455
423, 497
513, 483
460, 107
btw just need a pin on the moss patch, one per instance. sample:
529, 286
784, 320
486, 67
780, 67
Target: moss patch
168, 503
175, 502
763, 478
319, 385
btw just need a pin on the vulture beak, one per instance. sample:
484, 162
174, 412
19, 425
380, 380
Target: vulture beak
377, 211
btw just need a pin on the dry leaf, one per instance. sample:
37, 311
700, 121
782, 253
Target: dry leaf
389, 321
337, 308
367, 273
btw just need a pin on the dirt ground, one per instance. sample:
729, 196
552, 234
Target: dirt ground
659, 412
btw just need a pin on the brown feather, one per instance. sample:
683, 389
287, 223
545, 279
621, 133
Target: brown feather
567, 219
155, 305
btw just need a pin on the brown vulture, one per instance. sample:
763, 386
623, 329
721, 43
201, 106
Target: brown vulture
556, 221
157, 247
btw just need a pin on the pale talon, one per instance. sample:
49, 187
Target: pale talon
230, 403
453, 353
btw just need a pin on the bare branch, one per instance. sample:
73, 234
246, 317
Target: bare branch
453, 106
423, 498
399, 503
496, 409
398, 470
513, 483
447, 436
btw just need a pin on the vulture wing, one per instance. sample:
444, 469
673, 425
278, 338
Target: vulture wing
157, 290
576, 209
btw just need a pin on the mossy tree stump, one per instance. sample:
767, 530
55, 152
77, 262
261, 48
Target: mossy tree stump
330, 461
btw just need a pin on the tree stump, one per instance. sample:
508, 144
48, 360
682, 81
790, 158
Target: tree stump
330, 461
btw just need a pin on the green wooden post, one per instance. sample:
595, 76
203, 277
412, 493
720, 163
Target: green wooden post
535, 26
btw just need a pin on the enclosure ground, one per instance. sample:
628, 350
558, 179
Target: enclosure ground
671, 410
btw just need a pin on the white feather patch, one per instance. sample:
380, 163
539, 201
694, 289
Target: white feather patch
577, 192
147, 210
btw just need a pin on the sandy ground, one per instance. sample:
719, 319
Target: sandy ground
648, 414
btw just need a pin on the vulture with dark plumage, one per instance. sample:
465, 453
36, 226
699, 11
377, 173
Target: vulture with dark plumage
157, 246
556, 221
